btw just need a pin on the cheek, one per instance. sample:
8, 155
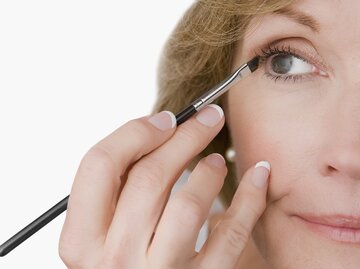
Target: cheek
275, 129
271, 129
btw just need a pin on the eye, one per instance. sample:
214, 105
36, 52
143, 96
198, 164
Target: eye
287, 64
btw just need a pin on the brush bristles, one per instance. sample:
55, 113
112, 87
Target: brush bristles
253, 64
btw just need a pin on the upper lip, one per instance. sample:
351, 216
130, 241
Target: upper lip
338, 220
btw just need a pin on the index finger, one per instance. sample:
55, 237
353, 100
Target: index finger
93, 196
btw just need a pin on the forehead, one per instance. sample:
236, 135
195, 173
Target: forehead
330, 12
338, 22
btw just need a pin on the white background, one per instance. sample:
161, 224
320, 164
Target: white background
71, 72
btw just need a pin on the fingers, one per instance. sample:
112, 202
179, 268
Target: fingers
151, 179
177, 232
232, 233
92, 198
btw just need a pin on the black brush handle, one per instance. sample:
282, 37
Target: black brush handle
33, 227
61, 206
181, 117
185, 114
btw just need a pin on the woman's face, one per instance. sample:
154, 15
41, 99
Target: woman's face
302, 114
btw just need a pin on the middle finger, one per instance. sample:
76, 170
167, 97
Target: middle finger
150, 180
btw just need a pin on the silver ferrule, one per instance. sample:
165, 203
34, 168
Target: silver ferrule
221, 88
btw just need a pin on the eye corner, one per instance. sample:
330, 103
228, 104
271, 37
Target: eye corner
320, 72
324, 74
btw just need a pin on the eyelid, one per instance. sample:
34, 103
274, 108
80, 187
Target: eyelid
288, 50
274, 50
290, 43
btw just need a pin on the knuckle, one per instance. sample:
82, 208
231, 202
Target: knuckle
112, 261
78, 254
254, 208
138, 128
70, 257
138, 131
147, 175
116, 256
188, 209
236, 234
191, 136
97, 160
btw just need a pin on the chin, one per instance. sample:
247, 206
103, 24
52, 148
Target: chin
286, 242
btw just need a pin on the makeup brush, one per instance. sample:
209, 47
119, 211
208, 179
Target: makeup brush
181, 117
217, 91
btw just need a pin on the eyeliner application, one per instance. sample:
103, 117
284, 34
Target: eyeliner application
181, 117
218, 90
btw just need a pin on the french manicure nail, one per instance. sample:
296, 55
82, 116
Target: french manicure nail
163, 120
215, 159
210, 115
261, 175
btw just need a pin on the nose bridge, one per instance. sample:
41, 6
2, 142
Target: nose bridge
345, 118
348, 94
349, 119
341, 132
352, 69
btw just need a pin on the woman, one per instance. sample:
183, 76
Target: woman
299, 111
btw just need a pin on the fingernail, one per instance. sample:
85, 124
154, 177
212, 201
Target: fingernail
163, 120
210, 115
215, 159
261, 175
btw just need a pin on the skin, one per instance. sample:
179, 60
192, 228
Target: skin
119, 214
308, 130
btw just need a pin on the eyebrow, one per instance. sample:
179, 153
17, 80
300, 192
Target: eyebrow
299, 17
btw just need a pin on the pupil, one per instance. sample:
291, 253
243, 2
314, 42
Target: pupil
281, 64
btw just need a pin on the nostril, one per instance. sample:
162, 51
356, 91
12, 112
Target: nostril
331, 169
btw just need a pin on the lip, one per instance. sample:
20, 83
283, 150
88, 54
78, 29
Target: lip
341, 228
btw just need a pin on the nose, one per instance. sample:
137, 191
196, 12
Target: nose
343, 148
345, 161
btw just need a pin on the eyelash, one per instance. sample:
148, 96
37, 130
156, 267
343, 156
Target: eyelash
269, 51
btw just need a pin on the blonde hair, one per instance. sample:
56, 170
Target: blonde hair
198, 55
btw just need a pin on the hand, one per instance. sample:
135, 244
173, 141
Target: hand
119, 213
